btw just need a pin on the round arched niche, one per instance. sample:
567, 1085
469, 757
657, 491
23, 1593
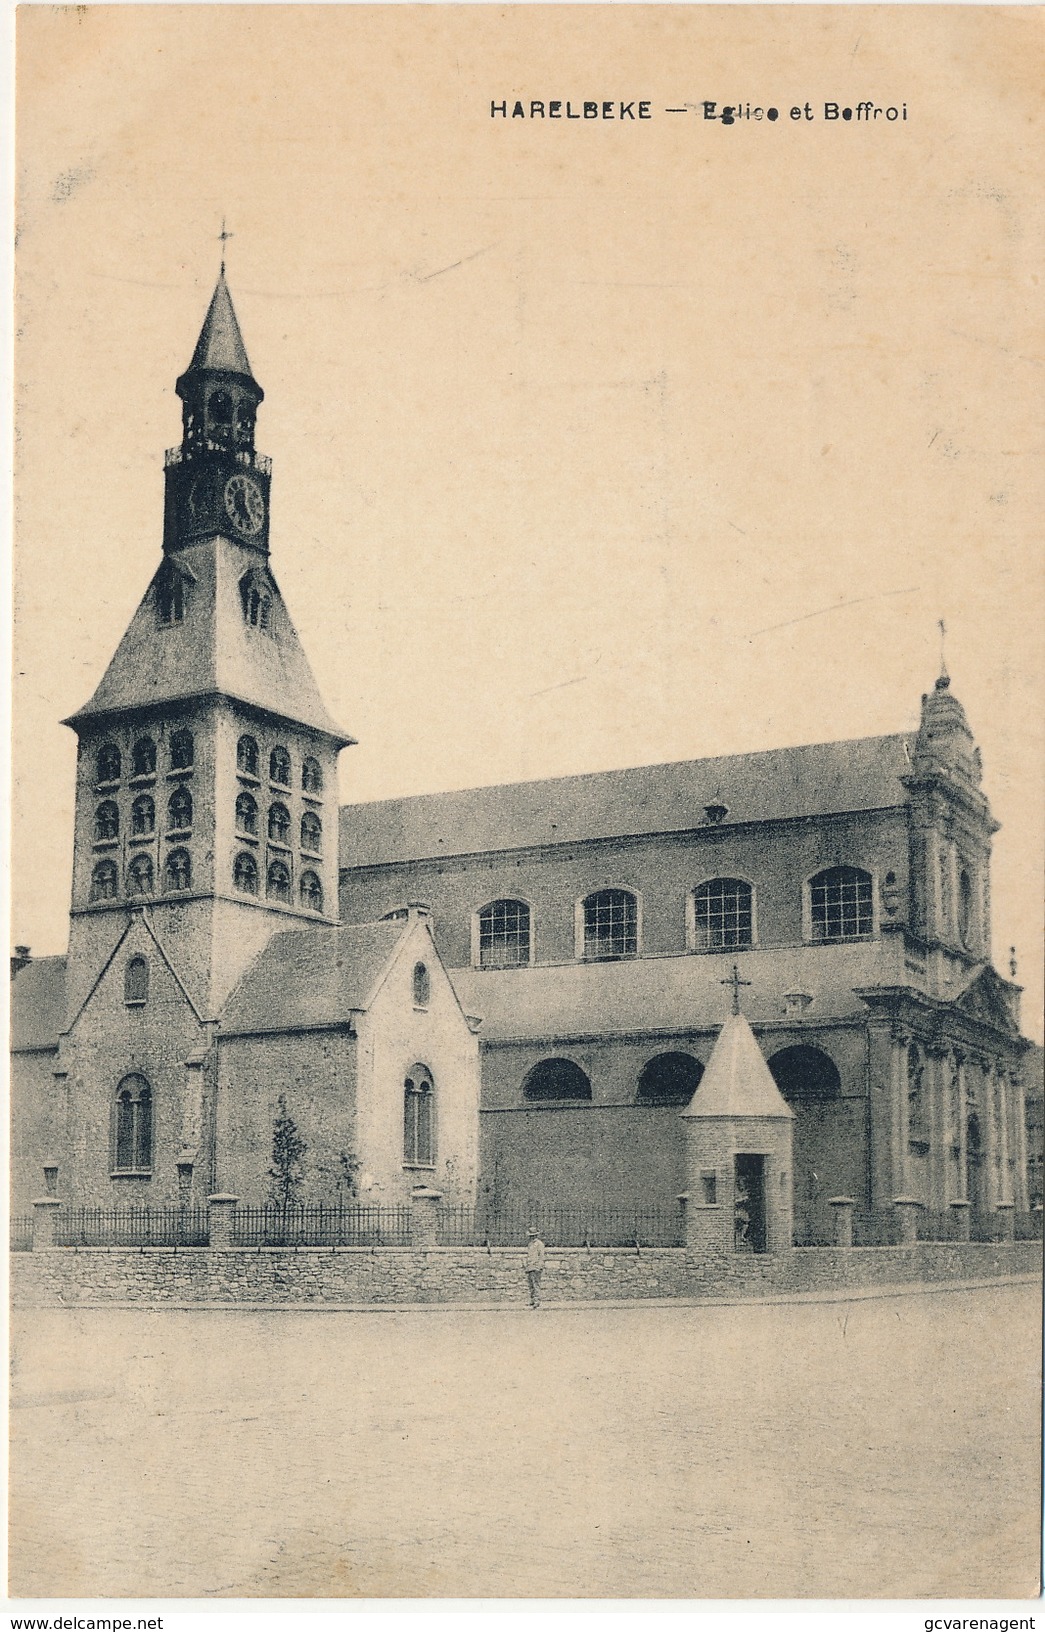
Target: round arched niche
556, 1079
805, 1074
669, 1079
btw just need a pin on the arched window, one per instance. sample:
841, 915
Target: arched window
136, 980
179, 870
139, 876
422, 986
182, 750
143, 815
133, 1131
611, 925
311, 891
179, 811
246, 813
311, 775
104, 881
556, 1079
722, 915
108, 763
669, 1079
279, 823
247, 756
143, 757
257, 602
504, 935
964, 907
840, 904
418, 1143
279, 767
245, 873
278, 883
107, 821
805, 1074
917, 1131
311, 833
170, 597
219, 404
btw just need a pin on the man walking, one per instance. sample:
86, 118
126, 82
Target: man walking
534, 1267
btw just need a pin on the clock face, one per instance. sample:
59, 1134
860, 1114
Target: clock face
245, 504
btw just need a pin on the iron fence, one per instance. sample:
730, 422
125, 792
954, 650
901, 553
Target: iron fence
319, 1226
938, 1224
562, 1226
132, 1227
22, 1233
876, 1229
1027, 1226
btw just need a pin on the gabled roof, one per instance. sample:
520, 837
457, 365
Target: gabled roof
737, 1081
816, 780
672, 994
987, 997
220, 345
312, 977
214, 650
38, 1004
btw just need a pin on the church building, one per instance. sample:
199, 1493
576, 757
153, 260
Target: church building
508, 993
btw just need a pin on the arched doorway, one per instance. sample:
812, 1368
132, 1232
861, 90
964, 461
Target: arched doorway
974, 1185
828, 1145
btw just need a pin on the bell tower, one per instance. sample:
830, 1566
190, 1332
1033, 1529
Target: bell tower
207, 769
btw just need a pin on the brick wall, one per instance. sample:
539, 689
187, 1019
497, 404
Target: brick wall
158, 1275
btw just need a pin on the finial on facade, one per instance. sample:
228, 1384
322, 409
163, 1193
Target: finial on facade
224, 237
1013, 966
944, 680
736, 982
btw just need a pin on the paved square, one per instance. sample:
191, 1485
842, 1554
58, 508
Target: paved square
884, 1447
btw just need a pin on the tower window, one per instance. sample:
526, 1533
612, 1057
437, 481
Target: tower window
422, 986
840, 904
311, 833
182, 748
965, 908
170, 597
278, 882
418, 1144
179, 870
133, 1130
247, 756
257, 601
279, 767
722, 914
139, 876
104, 881
610, 925
311, 776
311, 891
143, 815
108, 764
279, 823
219, 405
245, 874
179, 810
136, 980
143, 757
246, 813
107, 821
504, 935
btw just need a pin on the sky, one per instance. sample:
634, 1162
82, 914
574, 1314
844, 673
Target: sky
596, 442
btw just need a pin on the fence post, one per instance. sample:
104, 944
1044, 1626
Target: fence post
1006, 1211
221, 1213
843, 1219
960, 1211
907, 1210
45, 1223
424, 1217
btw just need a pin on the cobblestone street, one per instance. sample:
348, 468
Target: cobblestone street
882, 1447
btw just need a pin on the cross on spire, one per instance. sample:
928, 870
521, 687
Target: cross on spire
943, 645
736, 982
224, 237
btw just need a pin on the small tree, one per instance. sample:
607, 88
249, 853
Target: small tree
348, 1174
288, 1151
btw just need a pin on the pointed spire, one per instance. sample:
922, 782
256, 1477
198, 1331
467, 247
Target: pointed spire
737, 1082
220, 345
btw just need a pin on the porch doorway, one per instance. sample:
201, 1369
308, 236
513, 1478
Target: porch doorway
749, 1203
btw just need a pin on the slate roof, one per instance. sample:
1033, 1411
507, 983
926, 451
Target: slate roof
737, 1081
38, 1004
220, 345
816, 780
668, 994
311, 977
214, 650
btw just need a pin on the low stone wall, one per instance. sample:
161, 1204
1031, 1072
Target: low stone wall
389, 1275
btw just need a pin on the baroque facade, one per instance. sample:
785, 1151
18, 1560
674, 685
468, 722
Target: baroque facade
509, 992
